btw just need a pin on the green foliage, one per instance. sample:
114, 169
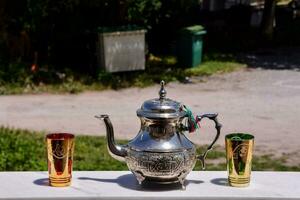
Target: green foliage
166, 68
154, 12
65, 31
14, 73
19, 78
213, 67
37, 10
91, 154
270, 162
22, 150
146, 11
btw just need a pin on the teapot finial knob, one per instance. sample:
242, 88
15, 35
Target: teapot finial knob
162, 91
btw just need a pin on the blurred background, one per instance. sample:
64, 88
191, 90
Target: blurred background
44, 42
247, 63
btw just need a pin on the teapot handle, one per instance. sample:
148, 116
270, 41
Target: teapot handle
211, 116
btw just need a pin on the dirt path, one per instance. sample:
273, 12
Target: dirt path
265, 103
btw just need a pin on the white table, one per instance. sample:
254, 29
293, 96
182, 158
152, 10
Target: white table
122, 185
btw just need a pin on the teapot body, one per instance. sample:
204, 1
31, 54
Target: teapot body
161, 152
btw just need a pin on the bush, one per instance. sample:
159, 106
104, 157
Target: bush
63, 33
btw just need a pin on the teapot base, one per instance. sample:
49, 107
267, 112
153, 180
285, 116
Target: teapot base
162, 181
153, 182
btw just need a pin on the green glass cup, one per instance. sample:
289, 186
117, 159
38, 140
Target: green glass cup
239, 151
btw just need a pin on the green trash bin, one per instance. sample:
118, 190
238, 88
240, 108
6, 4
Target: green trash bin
190, 45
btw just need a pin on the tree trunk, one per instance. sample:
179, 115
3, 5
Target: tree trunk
267, 24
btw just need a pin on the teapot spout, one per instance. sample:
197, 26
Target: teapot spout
116, 151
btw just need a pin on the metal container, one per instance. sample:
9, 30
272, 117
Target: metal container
122, 50
160, 152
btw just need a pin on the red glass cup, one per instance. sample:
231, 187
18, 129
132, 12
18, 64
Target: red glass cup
60, 149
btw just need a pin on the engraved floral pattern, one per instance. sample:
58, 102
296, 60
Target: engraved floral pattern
169, 164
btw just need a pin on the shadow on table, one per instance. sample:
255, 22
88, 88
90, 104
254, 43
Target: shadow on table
129, 181
42, 182
220, 181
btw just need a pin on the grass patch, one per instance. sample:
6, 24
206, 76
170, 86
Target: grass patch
213, 67
18, 78
22, 150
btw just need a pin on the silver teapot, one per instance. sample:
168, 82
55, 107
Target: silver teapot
160, 152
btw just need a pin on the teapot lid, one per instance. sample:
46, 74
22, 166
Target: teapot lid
162, 107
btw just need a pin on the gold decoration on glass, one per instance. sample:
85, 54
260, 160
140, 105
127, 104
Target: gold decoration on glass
60, 148
239, 150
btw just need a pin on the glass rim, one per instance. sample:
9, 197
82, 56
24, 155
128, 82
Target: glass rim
240, 136
59, 136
